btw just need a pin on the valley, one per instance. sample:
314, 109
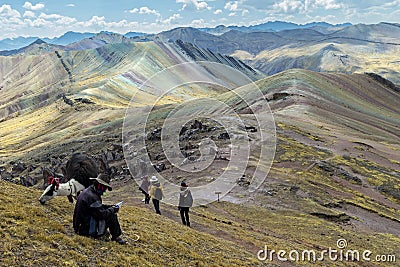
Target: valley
306, 142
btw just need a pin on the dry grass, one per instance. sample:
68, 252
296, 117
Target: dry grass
41, 235
222, 234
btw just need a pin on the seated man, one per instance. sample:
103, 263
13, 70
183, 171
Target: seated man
91, 217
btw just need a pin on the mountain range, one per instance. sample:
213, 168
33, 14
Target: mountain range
275, 26
344, 48
357, 48
72, 37
335, 166
65, 39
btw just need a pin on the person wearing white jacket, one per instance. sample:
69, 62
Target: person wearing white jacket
185, 203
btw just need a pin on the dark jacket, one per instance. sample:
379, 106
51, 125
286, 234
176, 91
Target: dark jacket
89, 204
145, 185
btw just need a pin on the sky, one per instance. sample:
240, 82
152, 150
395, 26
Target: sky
52, 18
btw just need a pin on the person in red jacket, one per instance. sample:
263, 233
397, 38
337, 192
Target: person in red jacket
93, 218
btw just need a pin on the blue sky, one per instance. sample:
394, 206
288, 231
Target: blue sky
50, 18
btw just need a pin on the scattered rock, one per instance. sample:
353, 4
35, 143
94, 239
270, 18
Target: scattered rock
243, 181
18, 168
159, 167
338, 171
390, 189
337, 218
279, 96
84, 100
6, 176
293, 189
224, 136
154, 135
251, 129
27, 181
67, 100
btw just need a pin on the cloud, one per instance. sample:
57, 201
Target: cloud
198, 23
392, 4
96, 20
218, 11
171, 18
197, 4
29, 14
145, 10
71, 5
50, 20
50, 16
41, 23
288, 6
66, 20
51, 25
231, 6
135, 10
7, 11
328, 4
28, 5
291, 6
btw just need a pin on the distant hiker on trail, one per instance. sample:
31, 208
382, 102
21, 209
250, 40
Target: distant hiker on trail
144, 188
91, 217
185, 203
156, 193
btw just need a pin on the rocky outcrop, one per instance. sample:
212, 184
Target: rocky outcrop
204, 54
338, 171
383, 81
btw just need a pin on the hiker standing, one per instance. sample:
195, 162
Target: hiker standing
185, 203
156, 193
144, 188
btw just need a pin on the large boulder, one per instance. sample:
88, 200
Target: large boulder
81, 167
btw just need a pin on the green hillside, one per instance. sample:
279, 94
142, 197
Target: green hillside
222, 234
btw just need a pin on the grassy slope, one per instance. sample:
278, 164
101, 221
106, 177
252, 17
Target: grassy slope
36, 235
222, 234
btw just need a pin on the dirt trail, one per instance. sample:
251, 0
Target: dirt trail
172, 213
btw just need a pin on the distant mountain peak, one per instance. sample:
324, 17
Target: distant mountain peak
274, 26
39, 42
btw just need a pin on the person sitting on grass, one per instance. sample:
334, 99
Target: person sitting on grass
91, 217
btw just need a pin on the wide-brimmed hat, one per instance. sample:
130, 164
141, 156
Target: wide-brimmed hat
103, 179
153, 179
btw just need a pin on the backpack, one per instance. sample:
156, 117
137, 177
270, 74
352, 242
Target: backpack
158, 193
